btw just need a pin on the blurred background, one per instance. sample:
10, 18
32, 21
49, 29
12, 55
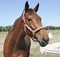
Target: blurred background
49, 11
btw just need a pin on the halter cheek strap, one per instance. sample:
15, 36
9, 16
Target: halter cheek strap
33, 31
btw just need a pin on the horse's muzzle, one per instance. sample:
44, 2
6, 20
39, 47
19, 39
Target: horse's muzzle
43, 42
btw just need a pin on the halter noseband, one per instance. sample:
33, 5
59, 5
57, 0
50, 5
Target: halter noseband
33, 31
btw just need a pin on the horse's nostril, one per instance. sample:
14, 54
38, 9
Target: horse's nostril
46, 40
43, 41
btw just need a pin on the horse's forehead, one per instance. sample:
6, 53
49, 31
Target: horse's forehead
32, 14
35, 15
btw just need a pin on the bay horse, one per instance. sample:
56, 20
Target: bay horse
29, 25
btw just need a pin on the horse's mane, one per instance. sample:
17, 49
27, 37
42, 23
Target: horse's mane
17, 20
29, 10
15, 23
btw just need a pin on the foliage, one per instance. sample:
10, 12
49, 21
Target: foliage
7, 28
52, 28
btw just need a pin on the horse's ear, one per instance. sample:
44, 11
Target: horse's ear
36, 8
26, 6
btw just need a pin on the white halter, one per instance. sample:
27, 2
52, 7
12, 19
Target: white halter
33, 31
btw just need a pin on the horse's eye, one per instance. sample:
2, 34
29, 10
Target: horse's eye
29, 19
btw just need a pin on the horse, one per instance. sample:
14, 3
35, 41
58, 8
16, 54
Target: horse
28, 25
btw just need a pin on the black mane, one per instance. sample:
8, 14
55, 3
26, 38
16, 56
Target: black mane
30, 10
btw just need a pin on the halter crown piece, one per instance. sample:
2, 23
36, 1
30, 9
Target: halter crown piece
33, 31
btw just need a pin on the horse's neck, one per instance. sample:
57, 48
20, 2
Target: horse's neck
19, 31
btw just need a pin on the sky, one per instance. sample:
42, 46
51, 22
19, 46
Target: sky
49, 11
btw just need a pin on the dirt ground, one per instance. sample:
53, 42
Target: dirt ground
35, 51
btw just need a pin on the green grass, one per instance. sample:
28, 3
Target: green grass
1, 33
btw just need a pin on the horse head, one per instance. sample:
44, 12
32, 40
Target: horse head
33, 25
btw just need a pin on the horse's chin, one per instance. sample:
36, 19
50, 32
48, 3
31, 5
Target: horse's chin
43, 44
